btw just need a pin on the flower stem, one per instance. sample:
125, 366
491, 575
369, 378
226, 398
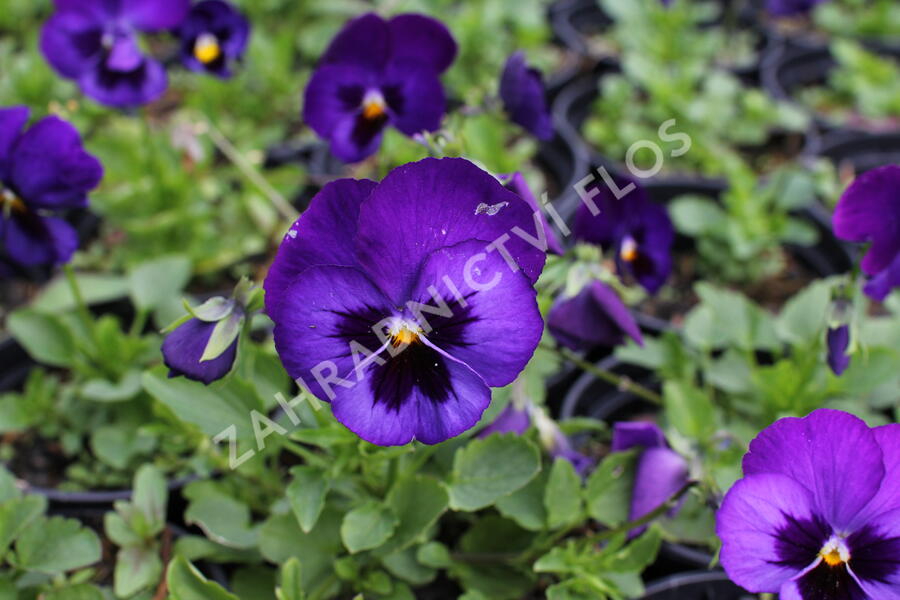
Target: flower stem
251, 172
622, 383
80, 305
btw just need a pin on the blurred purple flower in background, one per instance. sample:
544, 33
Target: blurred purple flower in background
661, 472
95, 43
213, 37
817, 514
340, 290
512, 419
596, 316
869, 212
376, 73
524, 97
44, 171
790, 8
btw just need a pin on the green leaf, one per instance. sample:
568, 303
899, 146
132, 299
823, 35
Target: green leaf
638, 555
214, 309
418, 502
102, 390
45, 337
187, 583
562, 498
487, 469
290, 585
8, 488
151, 496
82, 591
154, 282
696, 215
689, 409
805, 315
56, 545
223, 335
223, 519
406, 566
608, 491
367, 526
15, 515
526, 506
280, 538
95, 288
137, 568
306, 493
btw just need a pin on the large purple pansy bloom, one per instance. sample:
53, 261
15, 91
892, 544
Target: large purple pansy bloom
516, 183
213, 37
661, 472
635, 229
95, 43
389, 303
817, 514
44, 170
789, 8
869, 211
375, 73
594, 317
524, 98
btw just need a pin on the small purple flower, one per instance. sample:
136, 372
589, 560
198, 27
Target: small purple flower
635, 229
817, 514
661, 472
44, 171
516, 183
184, 348
376, 73
790, 8
388, 303
524, 98
595, 317
511, 419
838, 340
869, 212
95, 43
213, 37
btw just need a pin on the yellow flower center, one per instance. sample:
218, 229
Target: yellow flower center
374, 106
835, 553
629, 251
10, 203
404, 336
207, 48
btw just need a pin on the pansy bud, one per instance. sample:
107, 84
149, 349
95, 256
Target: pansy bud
838, 336
596, 316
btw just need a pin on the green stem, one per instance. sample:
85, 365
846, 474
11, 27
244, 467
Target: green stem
419, 458
251, 173
308, 455
622, 383
139, 322
80, 305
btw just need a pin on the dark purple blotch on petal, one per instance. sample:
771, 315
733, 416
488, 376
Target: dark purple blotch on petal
183, 348
213, 37
595, 317
524, 97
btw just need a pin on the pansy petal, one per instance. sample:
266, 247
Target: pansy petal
71, 41
333, 93
423, 39
888, 496
869, 211
631, 434
769, 531
126, 90
595, 317
822, 581
364, 41
33, 240
881, 285
832, 453
434, 203
875, 555
516, 183
319, 237
155, 15
324, 328
415, 97
660, 474
50, 168
12, 120
496, 326
524, 97
183, 348
356, 138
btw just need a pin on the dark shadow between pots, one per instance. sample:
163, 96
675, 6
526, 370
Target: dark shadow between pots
857, 152
702, 585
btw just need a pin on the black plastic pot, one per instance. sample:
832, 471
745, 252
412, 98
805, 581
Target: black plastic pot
702, 585
789, 67
857, 152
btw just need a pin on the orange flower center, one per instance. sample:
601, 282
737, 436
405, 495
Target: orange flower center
374, 106
10, 203
629, 251
835, 553
403, 335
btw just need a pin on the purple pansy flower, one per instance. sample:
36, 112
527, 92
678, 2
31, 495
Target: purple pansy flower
183, 349
661, 472
524, 97
516, 183
789, 8
44, 170
376, 73
389, 302
594, 317
838, 340
817, 514
213, 37
869, 211
95, 43
636, 230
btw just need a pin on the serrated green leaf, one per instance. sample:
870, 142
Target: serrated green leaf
56, 545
